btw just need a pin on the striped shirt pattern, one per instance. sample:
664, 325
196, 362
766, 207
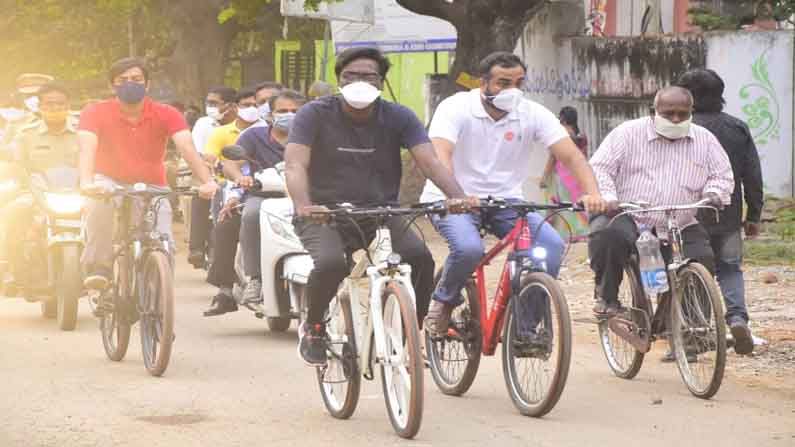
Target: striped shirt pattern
634, 163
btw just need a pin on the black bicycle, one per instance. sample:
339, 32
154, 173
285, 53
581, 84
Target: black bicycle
142, 286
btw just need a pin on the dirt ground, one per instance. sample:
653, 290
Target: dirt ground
233, 383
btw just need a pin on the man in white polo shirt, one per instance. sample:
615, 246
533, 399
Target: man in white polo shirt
485, 137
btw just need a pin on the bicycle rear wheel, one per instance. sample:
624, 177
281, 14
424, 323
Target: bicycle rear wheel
157, 312
536, 373
402, 370
340, 380
622, 358
115, 324
454, 359
698, 327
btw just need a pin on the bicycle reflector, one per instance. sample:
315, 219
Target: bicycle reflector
523, 242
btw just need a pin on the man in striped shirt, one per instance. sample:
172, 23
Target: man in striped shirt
663, 160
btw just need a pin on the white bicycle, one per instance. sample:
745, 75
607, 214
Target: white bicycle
373, 320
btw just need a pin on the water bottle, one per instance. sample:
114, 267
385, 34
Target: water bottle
652, 265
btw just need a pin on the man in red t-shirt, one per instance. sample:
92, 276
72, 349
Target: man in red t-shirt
122, 142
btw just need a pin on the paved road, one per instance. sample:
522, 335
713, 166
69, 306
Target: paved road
232, 383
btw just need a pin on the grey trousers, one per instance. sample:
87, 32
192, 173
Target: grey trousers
100, 222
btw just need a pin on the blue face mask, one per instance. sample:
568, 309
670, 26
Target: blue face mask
130, 92
283, 121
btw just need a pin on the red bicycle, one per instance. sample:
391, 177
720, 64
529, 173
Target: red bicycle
529, 314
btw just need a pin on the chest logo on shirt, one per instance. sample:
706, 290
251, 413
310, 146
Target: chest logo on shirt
509, 136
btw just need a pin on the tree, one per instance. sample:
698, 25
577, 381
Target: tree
483, 26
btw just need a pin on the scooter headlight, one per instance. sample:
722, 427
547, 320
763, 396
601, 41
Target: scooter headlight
64, 203
283, 229
539, 253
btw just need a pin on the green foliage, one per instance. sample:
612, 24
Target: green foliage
246, 11
708, 19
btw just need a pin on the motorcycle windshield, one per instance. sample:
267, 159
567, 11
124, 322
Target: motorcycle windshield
62, 178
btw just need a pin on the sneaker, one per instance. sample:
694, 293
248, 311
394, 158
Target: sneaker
97, 279
197, 259
604, 309
438, 319
743, 342
253, 292
312, 344
222, 303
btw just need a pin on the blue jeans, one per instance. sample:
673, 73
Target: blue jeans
466, 249
728, 248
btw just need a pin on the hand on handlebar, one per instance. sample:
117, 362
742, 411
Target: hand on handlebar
462, 206
245, 182
207, 190
713, 199
594, 203
314, 213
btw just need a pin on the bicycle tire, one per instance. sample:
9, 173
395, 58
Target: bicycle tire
156, 296
629, 369
562, 341
396, 298
466, 318
114, 326
680, 345
347, 357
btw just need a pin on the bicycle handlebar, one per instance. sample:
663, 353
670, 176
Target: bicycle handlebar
643, 207
136, 190
347, 210
493, 203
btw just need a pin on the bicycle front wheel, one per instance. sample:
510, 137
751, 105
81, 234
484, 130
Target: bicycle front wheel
401, 370
536, 345
698, 328
340, 380
115, 323
157, 312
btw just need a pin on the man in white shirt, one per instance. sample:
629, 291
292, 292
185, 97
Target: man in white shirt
220, 109
484, 136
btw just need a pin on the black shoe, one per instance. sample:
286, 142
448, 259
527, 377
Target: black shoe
603, 309
532, 345
743, 342
98, 278
312, 344
197, 259
221, 304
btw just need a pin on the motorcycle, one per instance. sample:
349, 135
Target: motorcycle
285, 265
51, 246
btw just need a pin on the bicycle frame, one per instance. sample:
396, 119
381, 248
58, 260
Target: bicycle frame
369, 326
491, 322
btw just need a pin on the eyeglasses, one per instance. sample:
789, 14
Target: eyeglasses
353, 76
211, 103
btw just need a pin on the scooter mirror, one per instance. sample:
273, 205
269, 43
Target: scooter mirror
234, 152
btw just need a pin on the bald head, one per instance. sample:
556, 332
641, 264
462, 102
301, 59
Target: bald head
674, 104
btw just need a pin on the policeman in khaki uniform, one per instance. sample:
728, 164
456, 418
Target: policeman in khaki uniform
28, 85
44, 144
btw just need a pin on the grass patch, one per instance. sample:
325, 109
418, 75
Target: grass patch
769, 252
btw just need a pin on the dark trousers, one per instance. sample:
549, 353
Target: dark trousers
728, 248
226, 235
610, 247
328, 245
200, 224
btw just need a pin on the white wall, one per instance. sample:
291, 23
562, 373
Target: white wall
757, 68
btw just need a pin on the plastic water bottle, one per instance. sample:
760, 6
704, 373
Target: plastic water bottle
652, 264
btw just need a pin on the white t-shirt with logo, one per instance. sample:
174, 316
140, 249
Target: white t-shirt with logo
491, 158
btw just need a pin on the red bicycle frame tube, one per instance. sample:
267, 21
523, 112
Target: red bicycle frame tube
491, 322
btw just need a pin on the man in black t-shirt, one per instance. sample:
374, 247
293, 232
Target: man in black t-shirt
347, 149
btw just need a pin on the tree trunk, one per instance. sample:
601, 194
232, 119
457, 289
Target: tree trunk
483, 26
201, 52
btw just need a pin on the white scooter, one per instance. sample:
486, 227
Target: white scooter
285, 265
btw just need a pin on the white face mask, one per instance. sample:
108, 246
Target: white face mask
264, 111
32, 103
248, 114
214, 113
507, 100
670, 130
283, 121
360, 95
